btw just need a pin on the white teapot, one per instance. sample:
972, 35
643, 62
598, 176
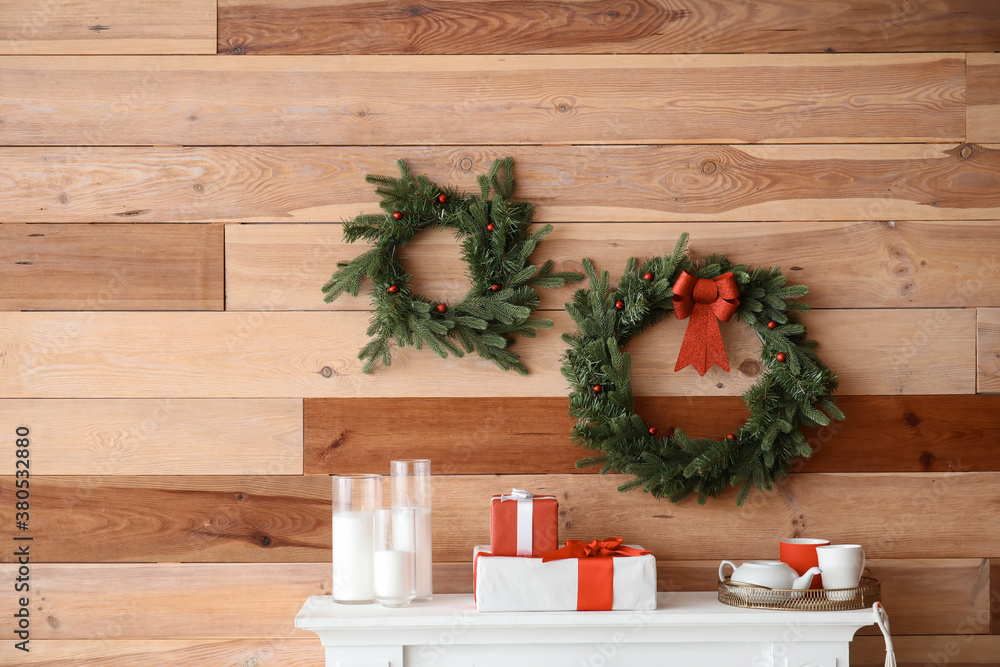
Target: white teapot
769, 574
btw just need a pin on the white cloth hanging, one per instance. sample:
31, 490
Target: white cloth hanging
882, 621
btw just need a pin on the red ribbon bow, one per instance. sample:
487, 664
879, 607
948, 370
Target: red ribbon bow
595, 574
705, 300
610, 547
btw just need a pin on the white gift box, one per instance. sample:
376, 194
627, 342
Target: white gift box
517, 583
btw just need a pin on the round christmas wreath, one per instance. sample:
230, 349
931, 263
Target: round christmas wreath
793, 391
496, 244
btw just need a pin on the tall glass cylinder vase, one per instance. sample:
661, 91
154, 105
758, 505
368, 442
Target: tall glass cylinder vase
355, 499
411, 487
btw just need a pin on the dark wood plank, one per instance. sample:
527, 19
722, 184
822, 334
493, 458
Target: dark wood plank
178, 518
567, 183
596, 26
955, 650
360, 100
205, 519
111, 267
475, 436
470, 436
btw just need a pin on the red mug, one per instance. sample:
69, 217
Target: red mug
800, 554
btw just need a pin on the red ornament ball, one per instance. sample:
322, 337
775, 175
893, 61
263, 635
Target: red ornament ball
652, 430
780, 357
393, 289
442, 199
397, 215
441, 308
648, 276
598, 389
772, 324
619, 304
495, 287
731, 436
489, 227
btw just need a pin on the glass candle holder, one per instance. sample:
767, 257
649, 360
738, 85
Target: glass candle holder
355, 499
394, 561
411, 488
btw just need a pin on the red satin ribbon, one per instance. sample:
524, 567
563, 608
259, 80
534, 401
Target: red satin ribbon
705, 300
595, 574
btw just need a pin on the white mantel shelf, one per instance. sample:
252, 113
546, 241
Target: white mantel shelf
686, 629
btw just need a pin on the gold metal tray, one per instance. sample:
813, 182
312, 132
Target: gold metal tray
867, 593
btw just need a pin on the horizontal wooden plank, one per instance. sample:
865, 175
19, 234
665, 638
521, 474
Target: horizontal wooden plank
988, 350
287, 519
96, 608
177, 518
175, 100
151, 601
108, 27
949, 591
567, 183
983, 97
845, 264
900, 515
955, 650
475, 436
170, 436
111, 267
302, 354
281, 652
927, 597
923, 596
648, 26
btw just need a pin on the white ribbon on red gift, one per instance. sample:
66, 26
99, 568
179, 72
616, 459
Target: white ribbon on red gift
525, 519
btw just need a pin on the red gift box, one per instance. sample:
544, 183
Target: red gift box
523, 525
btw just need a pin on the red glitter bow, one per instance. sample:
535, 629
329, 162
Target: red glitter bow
705, 300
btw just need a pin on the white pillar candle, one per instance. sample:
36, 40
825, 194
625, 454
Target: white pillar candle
404, 536
424, 556
419, 538
352, 557
394, 585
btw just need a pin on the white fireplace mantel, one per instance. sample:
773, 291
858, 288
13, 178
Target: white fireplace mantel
686, 629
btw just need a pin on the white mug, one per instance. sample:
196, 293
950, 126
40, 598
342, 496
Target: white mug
842, 565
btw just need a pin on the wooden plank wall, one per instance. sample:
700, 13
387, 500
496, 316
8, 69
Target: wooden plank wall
169, 209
